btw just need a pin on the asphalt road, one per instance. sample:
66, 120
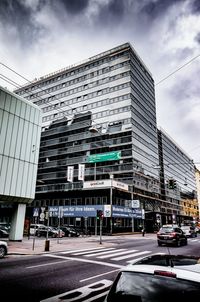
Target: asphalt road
76, 275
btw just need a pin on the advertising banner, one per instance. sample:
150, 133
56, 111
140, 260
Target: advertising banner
95, 158
70, 173
81, 172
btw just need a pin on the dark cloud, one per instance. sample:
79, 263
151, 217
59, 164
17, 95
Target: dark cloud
195, 6
157, 8
112, 12
16, 14
74, 6
197, 38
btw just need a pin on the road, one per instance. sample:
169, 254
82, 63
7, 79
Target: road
77, 275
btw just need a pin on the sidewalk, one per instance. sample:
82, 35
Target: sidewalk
35, 246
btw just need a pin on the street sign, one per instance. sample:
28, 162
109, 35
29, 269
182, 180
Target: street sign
135, 203
115, 155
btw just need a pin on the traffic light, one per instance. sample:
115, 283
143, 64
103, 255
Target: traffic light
99, 214
174, 185
170, 183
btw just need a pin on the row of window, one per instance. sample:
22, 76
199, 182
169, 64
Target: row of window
100, 103
77, 71
80, 89
86, 107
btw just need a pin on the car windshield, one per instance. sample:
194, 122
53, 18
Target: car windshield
140, 287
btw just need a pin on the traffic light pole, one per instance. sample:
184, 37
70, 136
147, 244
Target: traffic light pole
100, 238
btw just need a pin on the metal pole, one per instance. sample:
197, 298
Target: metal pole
59, 214
100, 242
95, 226
111, 197
132, 217
95, 171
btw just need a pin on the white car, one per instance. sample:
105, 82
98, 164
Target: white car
3, 249
159, 278
189, 231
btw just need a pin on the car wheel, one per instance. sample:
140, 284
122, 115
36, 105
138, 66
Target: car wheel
159, 244
186, 242
178, 244
2, 251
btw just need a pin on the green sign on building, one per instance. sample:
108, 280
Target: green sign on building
95, 158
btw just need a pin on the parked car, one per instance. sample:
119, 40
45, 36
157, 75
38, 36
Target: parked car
171, 234
34, 228
3, 249
52, 232
69, 231
190, 231
4, 232
160, 278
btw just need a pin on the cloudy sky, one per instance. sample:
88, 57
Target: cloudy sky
38, 37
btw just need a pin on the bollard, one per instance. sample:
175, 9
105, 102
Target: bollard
47, 245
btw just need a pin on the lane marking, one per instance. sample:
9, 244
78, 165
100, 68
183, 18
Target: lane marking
46, 264
100, 275
84, 260
132, 261
83, 293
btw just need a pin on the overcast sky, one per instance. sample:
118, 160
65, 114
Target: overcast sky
38, 37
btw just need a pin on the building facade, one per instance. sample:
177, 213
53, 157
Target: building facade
20, 131
112, 93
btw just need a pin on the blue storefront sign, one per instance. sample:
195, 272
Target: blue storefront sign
91, 211
123, 212
76, 211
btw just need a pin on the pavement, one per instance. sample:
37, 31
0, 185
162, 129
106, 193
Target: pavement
36, 246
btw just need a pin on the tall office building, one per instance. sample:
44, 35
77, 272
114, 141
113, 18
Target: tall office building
112, 92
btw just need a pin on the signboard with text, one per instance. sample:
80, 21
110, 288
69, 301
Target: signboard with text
95, 158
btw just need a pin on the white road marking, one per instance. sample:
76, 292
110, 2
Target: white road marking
137, 259
81, 250
99, 250
103, 253
100, 275
84, 260
82, 293
117, 254
46, 264
129, 256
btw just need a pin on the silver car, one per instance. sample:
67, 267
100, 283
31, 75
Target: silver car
3, 249
158, 278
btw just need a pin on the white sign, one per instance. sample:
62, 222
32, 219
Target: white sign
107, 210
97, 184
135, 203
70, 173
119, 185
81, 171
105, 183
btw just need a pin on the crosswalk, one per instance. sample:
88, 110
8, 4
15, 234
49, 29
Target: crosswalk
113, 254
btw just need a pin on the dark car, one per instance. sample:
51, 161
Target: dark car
157, 278
4, 232
172, 235
52, 232
70, 231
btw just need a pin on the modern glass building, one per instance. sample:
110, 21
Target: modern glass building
20, 131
